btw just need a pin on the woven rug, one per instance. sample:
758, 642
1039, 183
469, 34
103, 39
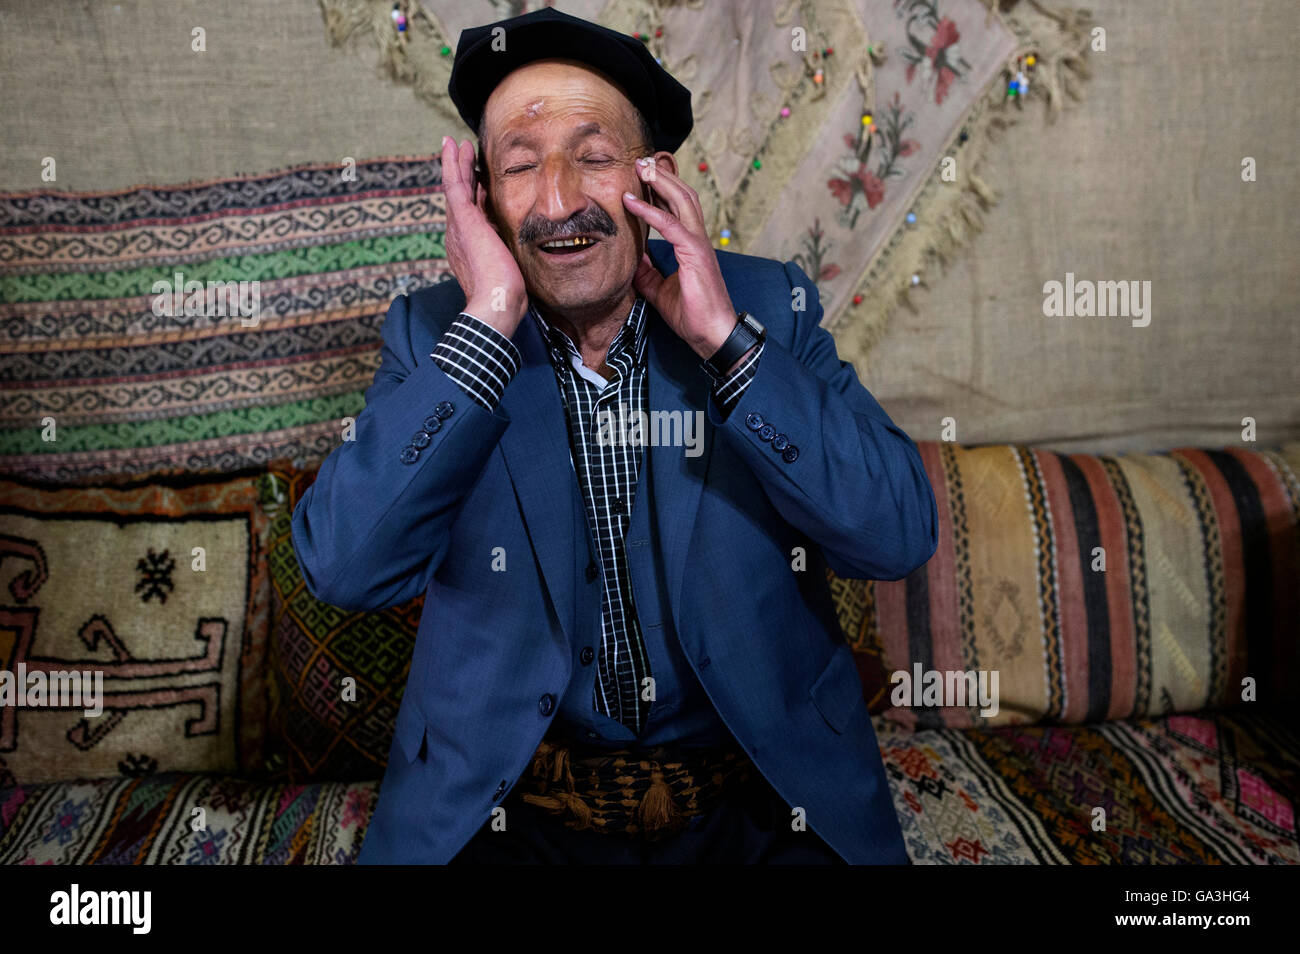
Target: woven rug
1180, 790
1189, 789
151, 821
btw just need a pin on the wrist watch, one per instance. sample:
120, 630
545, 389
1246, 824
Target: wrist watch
747, 333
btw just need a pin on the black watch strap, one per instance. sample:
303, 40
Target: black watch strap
747, 333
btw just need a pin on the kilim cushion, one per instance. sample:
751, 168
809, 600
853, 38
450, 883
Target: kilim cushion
1096, 587
156, 597
203, 327
151, 821
336, 677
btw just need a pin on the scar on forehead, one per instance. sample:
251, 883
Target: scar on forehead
532, 109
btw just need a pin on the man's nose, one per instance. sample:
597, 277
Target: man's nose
560, 194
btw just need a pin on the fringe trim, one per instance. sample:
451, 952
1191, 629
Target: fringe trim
416, 61
947, 217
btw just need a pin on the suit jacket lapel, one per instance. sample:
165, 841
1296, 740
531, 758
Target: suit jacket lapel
536, 451
676, 383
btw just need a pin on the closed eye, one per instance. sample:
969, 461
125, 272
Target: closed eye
513, 169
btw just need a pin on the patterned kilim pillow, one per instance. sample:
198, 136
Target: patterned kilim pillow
1198, 590
203, 327
317, 731
159, 593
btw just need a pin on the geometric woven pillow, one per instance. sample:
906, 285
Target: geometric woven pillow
336, 677
133, 624
1096, 587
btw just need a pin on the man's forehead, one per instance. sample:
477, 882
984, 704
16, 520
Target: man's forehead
551, 88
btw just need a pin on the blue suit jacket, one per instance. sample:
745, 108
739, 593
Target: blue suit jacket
493, 648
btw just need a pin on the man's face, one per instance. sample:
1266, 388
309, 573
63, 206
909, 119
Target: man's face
561, 144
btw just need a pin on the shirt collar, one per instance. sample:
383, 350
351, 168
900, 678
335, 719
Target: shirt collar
631, 336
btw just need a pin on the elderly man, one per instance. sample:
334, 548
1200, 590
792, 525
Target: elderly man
617, 468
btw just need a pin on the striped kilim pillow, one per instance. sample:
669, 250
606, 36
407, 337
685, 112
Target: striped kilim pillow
1096, 587
204, 327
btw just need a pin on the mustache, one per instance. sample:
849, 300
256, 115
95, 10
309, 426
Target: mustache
536, 228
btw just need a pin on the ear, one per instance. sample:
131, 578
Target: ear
665, 160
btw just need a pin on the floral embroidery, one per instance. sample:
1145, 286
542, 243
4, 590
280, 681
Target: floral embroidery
933, 46
858, 185
815, 251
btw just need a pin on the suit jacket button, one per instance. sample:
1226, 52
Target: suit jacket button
766, 432
753, 420
587, 655
790, 454
546, 704
432, 423
421, 440
409, 455
444, 409
780, 442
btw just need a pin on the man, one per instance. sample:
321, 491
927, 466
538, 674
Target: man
617, 468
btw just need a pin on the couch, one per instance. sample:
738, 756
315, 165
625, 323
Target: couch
1139, 610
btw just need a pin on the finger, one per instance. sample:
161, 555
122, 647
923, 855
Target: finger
452, 186
672, 177
480, 200
679, 197
667, 223
466, 160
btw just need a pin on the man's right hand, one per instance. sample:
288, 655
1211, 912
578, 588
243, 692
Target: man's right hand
482, 263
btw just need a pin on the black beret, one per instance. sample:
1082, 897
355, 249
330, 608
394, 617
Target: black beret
547, 33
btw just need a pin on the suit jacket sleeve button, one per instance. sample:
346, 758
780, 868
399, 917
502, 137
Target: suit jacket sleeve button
444, 409
409, 455
790, 454
766, 432
546, 704
421, 440
780, 442
432, 423
753, 420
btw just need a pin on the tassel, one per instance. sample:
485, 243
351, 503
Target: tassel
657, 809
561, 803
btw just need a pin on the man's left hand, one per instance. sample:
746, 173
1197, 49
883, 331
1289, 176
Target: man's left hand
694, 299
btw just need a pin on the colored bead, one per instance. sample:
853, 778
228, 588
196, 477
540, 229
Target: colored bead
857, 299
785, 111
757, 164
445, 51
828, 51
866, 119
636, 35
916, 279
704, 167
659, 33
725, 233
817, 77
724, 241
1031, 59
911, 218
